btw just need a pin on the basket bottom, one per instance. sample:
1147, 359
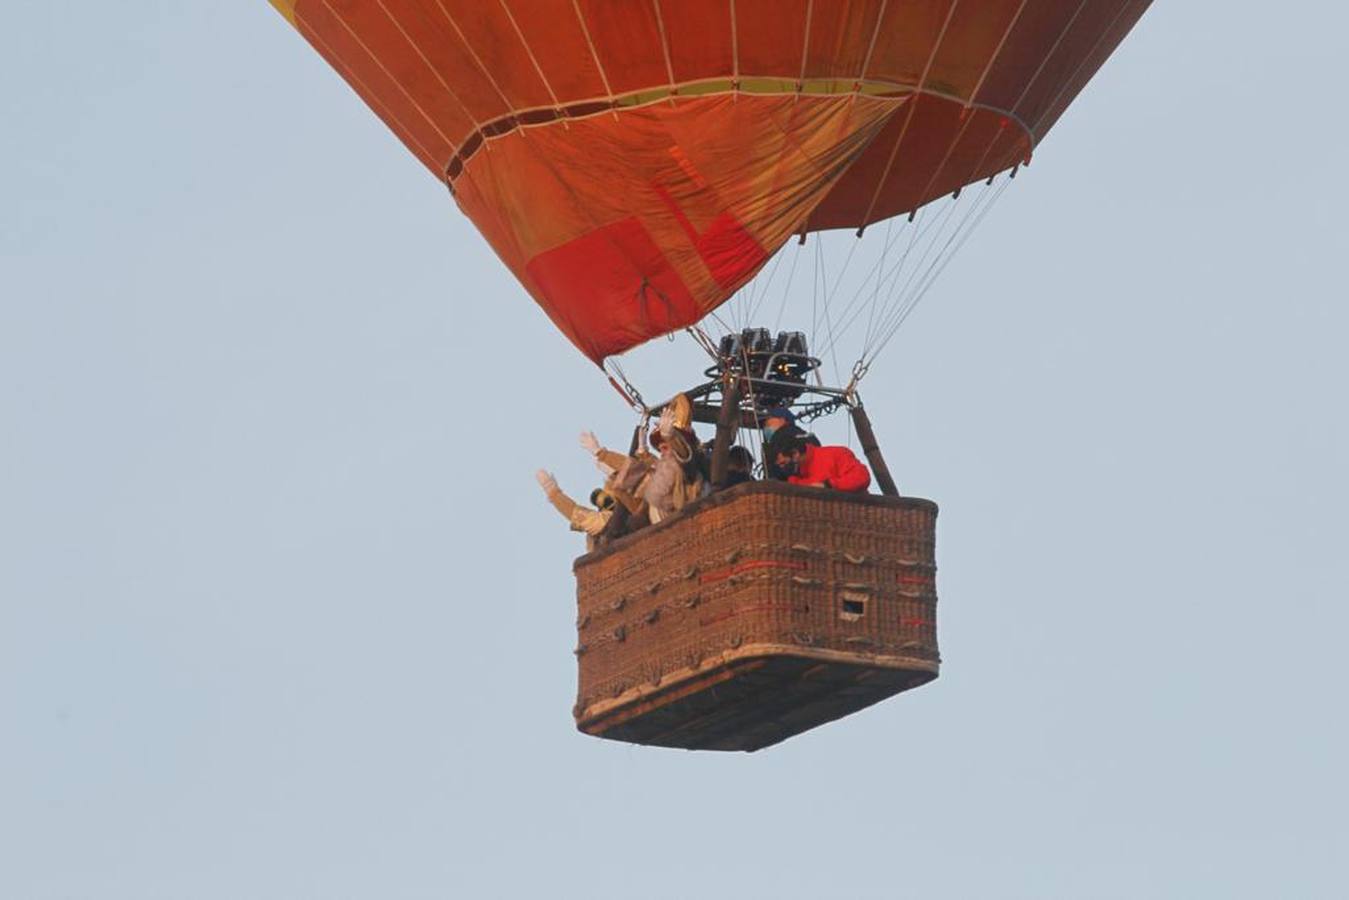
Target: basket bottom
751, 702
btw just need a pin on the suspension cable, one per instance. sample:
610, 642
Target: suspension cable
701, 338
960, 237
625, 388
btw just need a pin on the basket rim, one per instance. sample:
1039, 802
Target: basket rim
748, 489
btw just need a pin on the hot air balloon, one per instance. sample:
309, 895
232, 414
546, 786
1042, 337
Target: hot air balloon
635, 163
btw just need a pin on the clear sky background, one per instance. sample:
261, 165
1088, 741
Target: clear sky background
283, 613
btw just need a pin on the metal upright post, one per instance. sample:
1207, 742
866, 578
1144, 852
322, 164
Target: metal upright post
873, 451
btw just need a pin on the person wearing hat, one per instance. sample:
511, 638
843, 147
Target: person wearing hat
676, 479
780, 420
651, 486
590, 521
739, 466
837, 468
774, 419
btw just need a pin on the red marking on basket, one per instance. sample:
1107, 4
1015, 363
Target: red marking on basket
723, 574
915, 623
915, 579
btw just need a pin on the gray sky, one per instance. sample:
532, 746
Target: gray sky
283, 613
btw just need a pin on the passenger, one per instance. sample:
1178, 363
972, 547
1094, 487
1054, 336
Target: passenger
623, 522
828, 467
676, 478
590, 521
608, 461
739, 466
777, 420
623, 477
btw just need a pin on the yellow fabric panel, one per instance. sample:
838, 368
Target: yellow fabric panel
286, 8
634, 224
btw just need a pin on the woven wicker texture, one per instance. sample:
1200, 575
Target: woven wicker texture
766, 570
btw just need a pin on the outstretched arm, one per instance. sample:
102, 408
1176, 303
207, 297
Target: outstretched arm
561, 502
610, 461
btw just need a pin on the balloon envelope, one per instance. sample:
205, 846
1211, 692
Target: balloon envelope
634, 162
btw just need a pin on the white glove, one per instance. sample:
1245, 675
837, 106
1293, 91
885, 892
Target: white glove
590, 443
667, 421
546, 481
605, 469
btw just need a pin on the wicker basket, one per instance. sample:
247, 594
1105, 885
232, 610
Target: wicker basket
754, 615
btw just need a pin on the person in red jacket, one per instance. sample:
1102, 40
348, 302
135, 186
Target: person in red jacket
828, 467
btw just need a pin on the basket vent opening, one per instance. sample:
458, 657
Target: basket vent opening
852, 607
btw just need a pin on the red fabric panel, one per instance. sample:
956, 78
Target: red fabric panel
700, 38
1044, 28
1092, 58
730, 252
627, 41
839, 36
410, 127
908, 35
616, 287
972, 37
422, 53
771, 34
433, 128
714, 183
553, 34
499, 49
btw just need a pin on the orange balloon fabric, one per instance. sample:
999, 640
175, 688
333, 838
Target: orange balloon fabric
634, 162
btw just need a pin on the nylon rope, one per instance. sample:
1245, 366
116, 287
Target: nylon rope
850, 309
735, 52
599, 66
908, 116
412, 101
916, 232
997, 51
898, 291
805, 47
665, 48
381, 108
880, 273
925, 235
786, 291
1053, 104
829, 292
552, 95
964, 236
625, 387
763, 295
472, 53
936, 230
875, 33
